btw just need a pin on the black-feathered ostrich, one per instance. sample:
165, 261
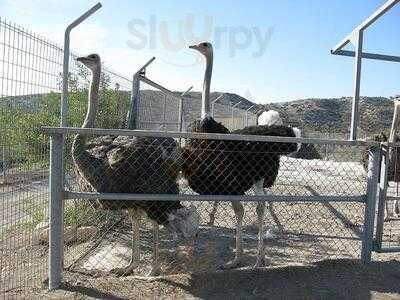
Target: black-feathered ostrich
121, 164
221, 167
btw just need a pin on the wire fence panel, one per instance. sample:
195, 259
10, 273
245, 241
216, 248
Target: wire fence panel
106, 242
158, 111
30, 86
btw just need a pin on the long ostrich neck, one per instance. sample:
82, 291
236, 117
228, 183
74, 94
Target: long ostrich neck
93, 99
205, 97
89, 166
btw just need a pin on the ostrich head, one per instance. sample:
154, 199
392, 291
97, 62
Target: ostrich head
91, 61
204, 48
184, 221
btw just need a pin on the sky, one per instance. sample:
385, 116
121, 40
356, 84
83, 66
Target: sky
268, 51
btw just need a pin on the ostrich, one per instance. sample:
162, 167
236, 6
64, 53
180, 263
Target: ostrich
269, 118
217, 167
121, 164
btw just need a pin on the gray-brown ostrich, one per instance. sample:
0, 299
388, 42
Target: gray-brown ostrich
231, 167
121, 164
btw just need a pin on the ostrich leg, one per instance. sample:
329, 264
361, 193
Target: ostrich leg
239, 212
155, 268
212, 214
135, 216
259, 190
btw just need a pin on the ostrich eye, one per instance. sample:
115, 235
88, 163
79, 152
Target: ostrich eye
204, 44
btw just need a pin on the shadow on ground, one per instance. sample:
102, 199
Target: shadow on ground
329, 279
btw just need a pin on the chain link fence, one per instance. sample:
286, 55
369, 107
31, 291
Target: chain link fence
158, 110
30, 91
106, 242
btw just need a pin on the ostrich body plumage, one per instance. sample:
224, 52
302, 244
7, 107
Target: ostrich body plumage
230, 167
122, 164
132, 165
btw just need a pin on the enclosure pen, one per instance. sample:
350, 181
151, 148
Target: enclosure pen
330, 194
325, 214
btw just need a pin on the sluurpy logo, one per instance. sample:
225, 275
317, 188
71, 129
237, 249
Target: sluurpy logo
172, 37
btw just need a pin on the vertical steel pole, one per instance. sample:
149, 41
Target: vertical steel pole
64, 96
382, 192
233, 109
213, 104
247, 115
180, 108
180, 126
132, 121
355, 113
233, 112
165, 113
4, 164
132, 116
370, 204
56, 240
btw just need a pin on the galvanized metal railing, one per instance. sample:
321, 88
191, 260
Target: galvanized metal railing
58, 194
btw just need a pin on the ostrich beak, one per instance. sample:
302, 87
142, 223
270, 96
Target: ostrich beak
195, 47
81, 59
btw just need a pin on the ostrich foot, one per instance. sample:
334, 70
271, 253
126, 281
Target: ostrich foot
125, 271
236, 262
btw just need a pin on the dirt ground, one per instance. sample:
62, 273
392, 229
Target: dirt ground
329, 279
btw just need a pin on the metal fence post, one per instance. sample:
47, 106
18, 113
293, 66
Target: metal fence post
247, 115
213, 104
370, 204
180, 108
56, 240
233, 113
355, 113
131, 118
164, 127
134, 103
4, 165
382, 192
64, 94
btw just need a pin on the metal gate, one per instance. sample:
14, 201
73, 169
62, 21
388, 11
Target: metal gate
387, 231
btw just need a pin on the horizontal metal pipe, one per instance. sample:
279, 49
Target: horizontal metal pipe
152, 122
366, 23
187, 91
392, 198
368, 55
387, 250
145, 65
378, 13
213, 136
205, 198
159, 87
